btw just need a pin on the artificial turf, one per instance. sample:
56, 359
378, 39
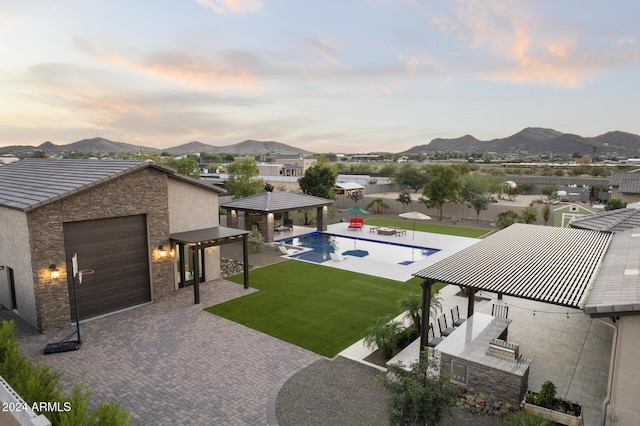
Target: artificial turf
318, 308
429, 227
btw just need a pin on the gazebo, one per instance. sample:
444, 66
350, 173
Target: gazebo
260, 210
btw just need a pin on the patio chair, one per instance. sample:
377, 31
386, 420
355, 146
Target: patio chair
456, 321
500, 311
284, 250
445, 330
432, 340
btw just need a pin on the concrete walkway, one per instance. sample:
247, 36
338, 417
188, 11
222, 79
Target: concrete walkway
171, 363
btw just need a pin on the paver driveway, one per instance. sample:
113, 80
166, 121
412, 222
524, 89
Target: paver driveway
171, 363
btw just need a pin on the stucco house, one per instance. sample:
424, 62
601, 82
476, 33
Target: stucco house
625, 186
121, 218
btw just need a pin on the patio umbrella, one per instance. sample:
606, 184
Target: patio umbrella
356, 210
415, 216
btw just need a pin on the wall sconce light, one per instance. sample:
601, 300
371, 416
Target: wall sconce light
172, 253
162, 251
55, 274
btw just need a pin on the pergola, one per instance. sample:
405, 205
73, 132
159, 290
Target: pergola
211, 237
542, 263
260, 209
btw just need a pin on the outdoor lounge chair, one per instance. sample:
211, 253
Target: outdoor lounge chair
285, 251
432, 340
445, 330
456, 321
337, 257
356, 223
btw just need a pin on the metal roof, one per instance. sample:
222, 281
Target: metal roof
276, 201
616, 290
612, 220
215, 236
349, 185
543, 263
33, 182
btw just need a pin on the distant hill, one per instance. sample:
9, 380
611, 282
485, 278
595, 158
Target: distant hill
105, 146
538, 141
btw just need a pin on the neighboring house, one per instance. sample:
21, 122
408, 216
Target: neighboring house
615, 300
280, 169
565, 214
119, 217
625, 186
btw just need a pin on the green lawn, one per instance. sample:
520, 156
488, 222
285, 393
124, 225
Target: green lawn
435, 228
316, 307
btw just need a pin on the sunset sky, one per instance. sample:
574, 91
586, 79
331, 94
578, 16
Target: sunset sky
326, 76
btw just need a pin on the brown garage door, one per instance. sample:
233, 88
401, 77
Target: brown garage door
116, 249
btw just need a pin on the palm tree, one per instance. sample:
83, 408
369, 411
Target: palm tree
412, 305
385, 333
378, 205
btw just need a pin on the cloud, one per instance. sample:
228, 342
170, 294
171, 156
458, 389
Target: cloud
232, 6
225, 70
526, 47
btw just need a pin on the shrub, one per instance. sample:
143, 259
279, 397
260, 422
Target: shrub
521, 418
255, 239
416, 397
35, 382
385, 333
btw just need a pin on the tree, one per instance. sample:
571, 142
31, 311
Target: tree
530, 214
444, 184
243, 180
405, 199
615, 204
412, 305
378, 205
508, 218
319, 179
546, 213
411, 176
185, 166
526, 187
38, 153
355, 196
384, 333
477, 191
418, 398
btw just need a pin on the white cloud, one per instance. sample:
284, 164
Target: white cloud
232, 6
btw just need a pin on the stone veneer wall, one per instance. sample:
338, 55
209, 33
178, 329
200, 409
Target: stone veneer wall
141, 192
264, 221
499, 384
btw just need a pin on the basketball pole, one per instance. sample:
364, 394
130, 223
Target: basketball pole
66, 345
75, 302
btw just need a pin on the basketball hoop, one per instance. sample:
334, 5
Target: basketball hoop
84, 272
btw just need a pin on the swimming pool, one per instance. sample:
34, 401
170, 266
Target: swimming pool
323, 244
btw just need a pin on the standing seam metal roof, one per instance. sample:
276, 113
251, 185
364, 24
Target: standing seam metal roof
33, 182
543, 263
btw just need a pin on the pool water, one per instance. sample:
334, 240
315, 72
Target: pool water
323, 244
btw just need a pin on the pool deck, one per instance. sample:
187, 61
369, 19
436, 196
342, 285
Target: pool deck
447, 245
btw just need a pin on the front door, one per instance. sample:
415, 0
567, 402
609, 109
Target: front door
186, 264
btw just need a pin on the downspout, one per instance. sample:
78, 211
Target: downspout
612, 362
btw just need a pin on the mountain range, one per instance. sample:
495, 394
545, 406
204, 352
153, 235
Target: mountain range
539, 141
105, 146
530, 141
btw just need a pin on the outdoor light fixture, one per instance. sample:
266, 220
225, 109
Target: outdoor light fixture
162, 251
54, 271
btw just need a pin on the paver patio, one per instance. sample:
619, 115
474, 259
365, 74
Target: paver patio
172, 363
